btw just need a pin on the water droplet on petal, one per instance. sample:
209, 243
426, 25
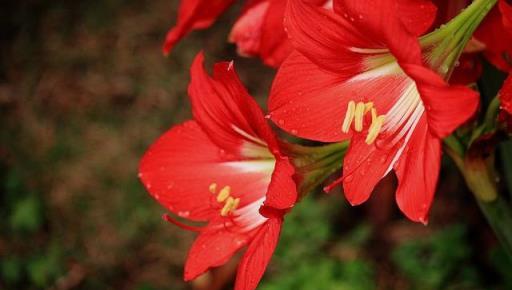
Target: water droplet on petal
184, 213
294, 131
349, 178
281, 122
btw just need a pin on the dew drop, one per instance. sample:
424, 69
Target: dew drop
184, 213
294, 131
349, 178
281, 122
268, 116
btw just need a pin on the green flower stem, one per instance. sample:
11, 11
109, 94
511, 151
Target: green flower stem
480, 178
506, 160
314, 164
447, 43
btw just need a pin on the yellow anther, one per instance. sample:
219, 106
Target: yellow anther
228, 206
224, 193
367, 107
236, 203
374, 130
358, 117
213, 187
349, 115
374, 115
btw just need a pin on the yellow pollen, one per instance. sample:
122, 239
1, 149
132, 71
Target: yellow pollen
236, 203
228, 206
213, 187
374, 115
358, 116
368, 106
224, 193
374, 130
349, 115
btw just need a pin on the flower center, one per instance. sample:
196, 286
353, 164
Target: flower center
355, 113
230, 204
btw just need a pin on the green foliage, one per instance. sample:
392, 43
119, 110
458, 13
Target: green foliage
26, 214
301, 258
438, 260
44, 268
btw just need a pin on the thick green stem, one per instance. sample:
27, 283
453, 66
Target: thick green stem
480, 178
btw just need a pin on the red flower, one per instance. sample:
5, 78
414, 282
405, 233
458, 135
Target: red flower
260, 32
496, 33
359, 74
192, 15
221, 168
506, 95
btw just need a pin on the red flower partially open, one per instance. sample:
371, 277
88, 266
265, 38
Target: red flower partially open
496, 33
222, 167
359, 73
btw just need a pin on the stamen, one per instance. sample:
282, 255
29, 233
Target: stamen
224, 193
349, 115
374, 115
213, 187
358, 116
228, 206
368, 106
374, 130
236, 203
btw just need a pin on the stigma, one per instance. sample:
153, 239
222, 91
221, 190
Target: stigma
355, 114
230, 204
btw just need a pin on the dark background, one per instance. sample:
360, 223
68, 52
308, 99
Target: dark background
84, 90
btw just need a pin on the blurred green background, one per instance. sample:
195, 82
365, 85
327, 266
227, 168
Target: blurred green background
84, 90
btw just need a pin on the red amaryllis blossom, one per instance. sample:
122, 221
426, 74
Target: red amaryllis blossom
260, 32
224, 167
496, 33
359, 74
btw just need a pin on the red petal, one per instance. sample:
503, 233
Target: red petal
258, 255
275, 46
310, 102
282, 191
326, 38
247, 30
506, 95
180, 166
381, 21
363, 167
468, 71
497, 38
417, 15
194, 14
221, 103
447, 106
506, 12
213, 248
417, 171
